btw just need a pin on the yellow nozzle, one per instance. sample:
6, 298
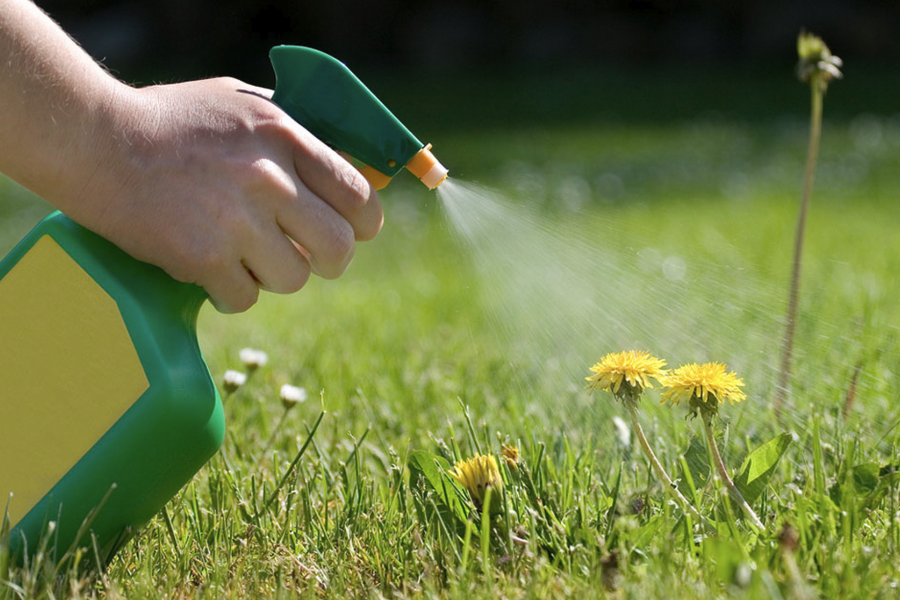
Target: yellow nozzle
378, 179
423, 165
427, 168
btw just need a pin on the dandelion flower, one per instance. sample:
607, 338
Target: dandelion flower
477, 475
233, 380
292, 395
633, 368
510, 454
703, 387
253, 358
627, 375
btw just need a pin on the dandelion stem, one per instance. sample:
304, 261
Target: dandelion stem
660, 471
277, 429
723, 473
293, 464
787, 350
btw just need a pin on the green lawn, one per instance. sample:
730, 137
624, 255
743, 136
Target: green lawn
616, 230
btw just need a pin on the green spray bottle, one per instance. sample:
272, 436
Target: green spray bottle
107, 407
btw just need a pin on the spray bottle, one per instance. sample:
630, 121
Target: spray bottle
107, 407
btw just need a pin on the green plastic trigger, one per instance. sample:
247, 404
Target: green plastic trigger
322, 94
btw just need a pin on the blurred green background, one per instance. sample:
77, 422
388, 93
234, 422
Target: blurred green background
682, 135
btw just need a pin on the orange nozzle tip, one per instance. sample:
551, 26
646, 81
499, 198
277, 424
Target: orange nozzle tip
427, 168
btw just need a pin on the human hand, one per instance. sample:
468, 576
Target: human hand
216, 185
207, 179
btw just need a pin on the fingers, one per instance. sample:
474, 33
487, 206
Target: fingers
279, 246
304, 209
326, 236
328, 176
277, 264
279, 255
233, 292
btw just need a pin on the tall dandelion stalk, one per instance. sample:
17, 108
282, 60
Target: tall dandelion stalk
817, 66
703, 388
626, 375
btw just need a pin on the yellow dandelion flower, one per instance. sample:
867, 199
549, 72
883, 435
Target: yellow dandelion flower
511, 455
477, 475
703, 387
633, 368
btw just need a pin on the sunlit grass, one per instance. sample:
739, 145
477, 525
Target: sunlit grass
391, 351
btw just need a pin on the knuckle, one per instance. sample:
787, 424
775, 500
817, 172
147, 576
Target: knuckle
260, 175
246, 299
369, 227
232, 296
192, 260
296, 279
356, 190
266, 181
290, 280
337, 251
239, 298
229, 82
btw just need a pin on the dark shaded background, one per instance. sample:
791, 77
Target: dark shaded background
162, 40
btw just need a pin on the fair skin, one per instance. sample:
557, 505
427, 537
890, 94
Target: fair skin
208, 179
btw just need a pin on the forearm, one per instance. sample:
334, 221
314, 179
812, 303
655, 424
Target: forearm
54, 106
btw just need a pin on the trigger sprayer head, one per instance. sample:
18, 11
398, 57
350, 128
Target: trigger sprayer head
427, 168
321, 94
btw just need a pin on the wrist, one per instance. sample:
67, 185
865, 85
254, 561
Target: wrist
65, 141
100, 162
55, 99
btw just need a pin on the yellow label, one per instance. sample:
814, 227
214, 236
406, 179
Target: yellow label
68, 372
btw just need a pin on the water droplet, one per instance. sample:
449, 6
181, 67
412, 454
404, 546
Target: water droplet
674, 268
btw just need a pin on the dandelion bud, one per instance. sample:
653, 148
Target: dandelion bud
477, 475
817, 64
233, 380
510, 454
253, 359
291, 396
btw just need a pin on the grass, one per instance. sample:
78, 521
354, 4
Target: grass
395, 350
